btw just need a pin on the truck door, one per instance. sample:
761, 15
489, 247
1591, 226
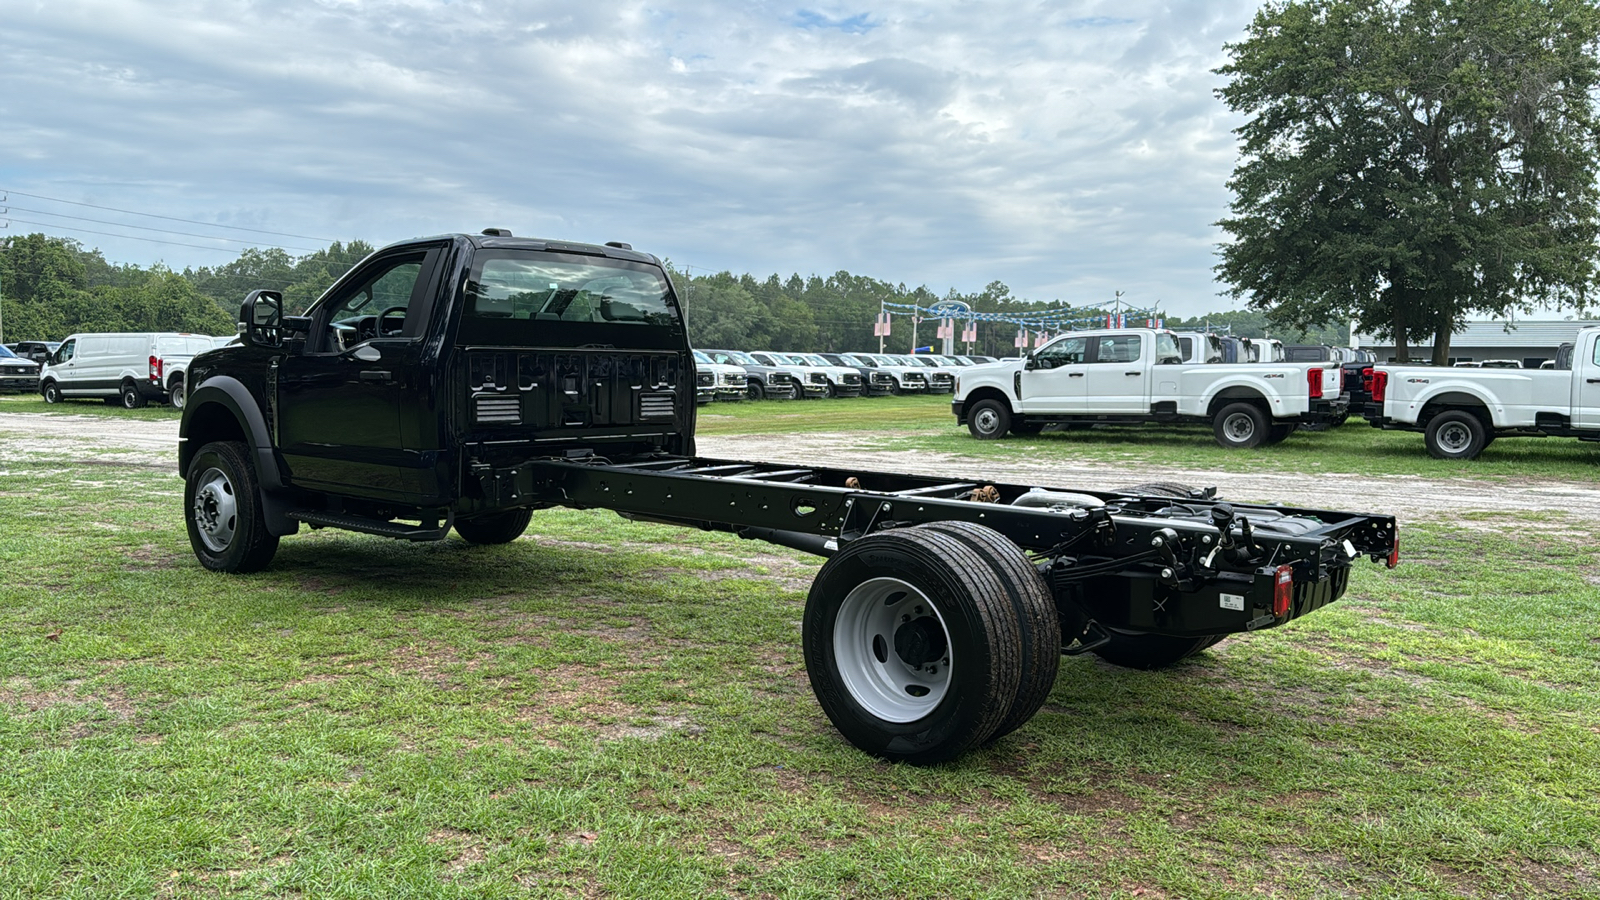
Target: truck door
1118, 378
345, 399
1052, 380
1586, 382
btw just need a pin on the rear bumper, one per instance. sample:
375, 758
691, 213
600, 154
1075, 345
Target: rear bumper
1326, 411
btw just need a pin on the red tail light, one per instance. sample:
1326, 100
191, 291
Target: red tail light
1366, 379
1380, 385
1394, 553
157, 364
1314, 381
1282, 591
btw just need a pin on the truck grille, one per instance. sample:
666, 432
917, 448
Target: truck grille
498, 410
854, 378
705, 379
655, 406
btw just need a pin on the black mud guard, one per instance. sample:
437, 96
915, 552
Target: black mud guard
232, 395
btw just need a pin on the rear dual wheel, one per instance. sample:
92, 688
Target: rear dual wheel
495, 528
922, 643
1456, 434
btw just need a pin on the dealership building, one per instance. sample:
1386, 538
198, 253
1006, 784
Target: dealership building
1528, 341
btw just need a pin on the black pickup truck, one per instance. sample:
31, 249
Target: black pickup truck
465, 381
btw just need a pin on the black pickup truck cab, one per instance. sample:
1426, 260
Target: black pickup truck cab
463, 382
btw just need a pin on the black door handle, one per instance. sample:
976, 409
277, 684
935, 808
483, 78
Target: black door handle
1594, 380
1074, 374
1133, 373
377, 377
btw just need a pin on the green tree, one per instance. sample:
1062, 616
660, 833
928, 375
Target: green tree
1406, 164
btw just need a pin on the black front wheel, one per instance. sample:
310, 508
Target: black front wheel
755, 391
989, 420
177, 395
496, 528
51, 392
227, 527
131, 398
912, 645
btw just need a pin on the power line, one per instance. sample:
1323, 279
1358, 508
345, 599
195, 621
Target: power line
132, 212
45, 212
128, 237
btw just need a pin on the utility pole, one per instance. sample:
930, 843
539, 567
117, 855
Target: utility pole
4, 245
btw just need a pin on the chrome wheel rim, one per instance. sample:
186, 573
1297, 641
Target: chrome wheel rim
1455, 437
177, 395
986, 421
216, 510
1239, 427
892, 649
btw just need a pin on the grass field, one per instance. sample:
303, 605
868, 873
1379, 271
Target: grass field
610, 709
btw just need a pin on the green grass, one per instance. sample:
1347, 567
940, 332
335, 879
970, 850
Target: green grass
607, 708
33, 403
925, 423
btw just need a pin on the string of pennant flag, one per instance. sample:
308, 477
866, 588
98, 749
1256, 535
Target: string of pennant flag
1034, 328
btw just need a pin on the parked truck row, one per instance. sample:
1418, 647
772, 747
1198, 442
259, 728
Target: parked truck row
1460, 411
1141, 376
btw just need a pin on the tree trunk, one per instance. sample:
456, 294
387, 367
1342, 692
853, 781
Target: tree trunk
1402, 353
1441, 344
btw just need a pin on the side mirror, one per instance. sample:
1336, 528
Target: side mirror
262, 316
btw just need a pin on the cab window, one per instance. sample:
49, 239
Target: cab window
386, 292
1067, 351
1118, 349
64, 352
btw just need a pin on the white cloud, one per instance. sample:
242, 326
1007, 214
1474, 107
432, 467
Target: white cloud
1068, 149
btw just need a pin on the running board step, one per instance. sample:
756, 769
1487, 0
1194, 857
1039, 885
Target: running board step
401, 530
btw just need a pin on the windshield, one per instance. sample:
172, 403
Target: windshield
743, 359
813, 359
851, 359
699, 356
5, 353
529, 298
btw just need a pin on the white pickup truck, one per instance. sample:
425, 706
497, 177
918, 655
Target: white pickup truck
1137, 375
1462, 411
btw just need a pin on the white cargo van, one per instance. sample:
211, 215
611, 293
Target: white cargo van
131, 368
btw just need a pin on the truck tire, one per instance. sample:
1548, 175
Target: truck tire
1240, 426
51, 392
495, 528
1455, 434
894, 387
1277, 434
1151, 651
1159, 489
176, 395
1038, 623
222, 503
911, 643
755, 391
131, 398
989, 420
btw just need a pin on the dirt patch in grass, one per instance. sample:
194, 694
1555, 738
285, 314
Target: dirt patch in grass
150, 556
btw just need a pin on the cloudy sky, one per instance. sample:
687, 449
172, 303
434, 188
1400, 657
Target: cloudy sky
1068, 149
